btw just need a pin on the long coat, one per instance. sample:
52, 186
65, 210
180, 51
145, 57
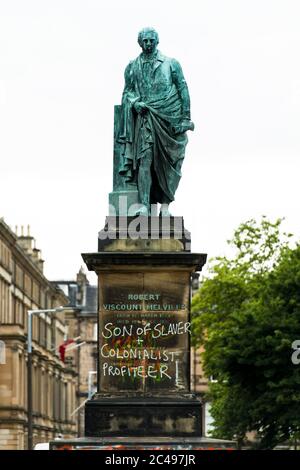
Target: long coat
165, 94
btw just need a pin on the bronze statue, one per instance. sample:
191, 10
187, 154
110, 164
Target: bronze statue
154, 119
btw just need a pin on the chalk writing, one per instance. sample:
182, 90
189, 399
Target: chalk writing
137, 371
156, 330
135, 353
144, 341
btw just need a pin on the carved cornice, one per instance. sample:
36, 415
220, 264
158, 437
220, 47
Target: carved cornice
101, 261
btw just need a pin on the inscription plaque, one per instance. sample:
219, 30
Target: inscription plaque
144, 332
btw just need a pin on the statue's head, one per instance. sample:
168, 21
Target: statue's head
148, 40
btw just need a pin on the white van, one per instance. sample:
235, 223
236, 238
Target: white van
41, 446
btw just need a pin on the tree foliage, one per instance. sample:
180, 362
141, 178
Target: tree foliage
246, 314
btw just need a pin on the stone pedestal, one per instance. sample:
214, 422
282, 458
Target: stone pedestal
144, 234
143, 416
144, 334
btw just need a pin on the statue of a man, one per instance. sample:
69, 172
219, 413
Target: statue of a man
155, 118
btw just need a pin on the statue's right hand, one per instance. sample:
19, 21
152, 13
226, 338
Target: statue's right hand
140, 107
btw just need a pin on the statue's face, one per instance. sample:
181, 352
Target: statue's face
148, 42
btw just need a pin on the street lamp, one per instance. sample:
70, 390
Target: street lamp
90, 383
29, 366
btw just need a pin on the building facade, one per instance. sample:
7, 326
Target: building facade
82, 325
24, 287
199, 382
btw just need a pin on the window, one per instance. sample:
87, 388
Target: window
5, 256
19, 277
42, 299
6, 313
42, 332
95, 335
18, 311
53, 333
35, 292
2, 352
28, 285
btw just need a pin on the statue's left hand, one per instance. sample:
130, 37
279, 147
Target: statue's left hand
140, 107
185, 125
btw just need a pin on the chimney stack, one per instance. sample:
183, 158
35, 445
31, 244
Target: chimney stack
27, 243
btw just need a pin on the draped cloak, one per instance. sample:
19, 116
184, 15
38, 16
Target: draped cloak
165, 94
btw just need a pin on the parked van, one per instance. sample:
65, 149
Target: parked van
41, 446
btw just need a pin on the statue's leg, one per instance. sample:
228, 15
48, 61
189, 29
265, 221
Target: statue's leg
144, 178
164, 210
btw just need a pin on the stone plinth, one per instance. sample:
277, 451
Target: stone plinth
144, 345
144, 234
144, 416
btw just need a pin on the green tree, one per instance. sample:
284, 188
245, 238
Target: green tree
246, 314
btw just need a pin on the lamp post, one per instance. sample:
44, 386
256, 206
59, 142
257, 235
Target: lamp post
30, 313
90, 383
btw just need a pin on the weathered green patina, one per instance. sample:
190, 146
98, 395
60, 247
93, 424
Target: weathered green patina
155, 116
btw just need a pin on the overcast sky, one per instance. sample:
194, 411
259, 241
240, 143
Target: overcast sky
61, 72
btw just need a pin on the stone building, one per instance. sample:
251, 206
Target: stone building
199, 381
23, 287
82, 324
